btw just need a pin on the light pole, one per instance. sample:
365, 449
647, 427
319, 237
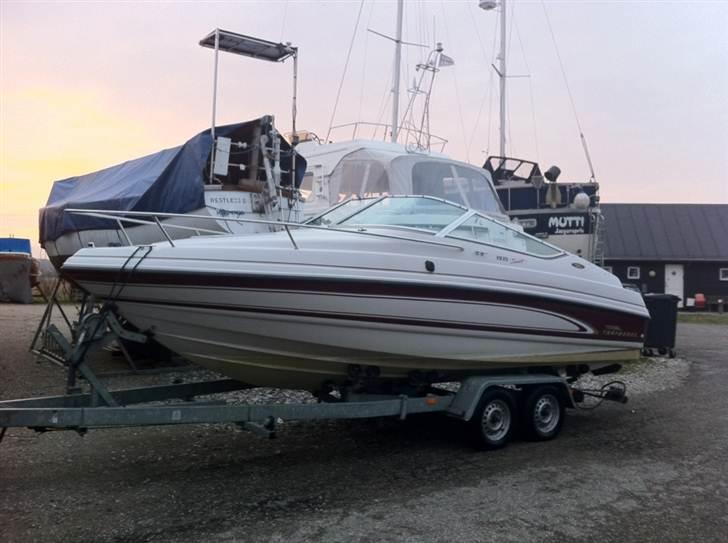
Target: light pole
489, 5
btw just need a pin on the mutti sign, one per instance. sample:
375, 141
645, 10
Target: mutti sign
547, 224
567, 224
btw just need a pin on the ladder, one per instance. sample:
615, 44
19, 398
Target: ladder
599, 235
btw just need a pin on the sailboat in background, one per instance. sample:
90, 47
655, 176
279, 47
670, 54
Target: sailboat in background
566, 214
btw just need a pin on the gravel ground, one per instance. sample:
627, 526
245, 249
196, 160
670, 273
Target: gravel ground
653, 470
647, 376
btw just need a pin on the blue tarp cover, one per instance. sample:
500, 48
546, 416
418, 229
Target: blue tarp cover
170, 181
14, 245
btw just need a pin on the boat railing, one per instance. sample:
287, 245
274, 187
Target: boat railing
405, 131
153, 219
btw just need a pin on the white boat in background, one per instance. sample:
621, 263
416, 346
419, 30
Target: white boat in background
363, 168
252, 179
388, 287
239, 170
19, 271
565, 214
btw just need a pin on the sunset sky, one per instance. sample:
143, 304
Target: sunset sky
85, 85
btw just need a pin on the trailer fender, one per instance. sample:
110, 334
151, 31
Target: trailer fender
471, 390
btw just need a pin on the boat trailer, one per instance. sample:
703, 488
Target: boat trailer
102, 408
492, 405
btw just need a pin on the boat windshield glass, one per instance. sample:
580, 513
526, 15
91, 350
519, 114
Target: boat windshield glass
423, 213
437, 216
456, 183
338, 213
486, 230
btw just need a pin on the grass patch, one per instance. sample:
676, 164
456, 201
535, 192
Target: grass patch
703, 318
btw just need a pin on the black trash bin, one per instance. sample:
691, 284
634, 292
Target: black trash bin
663, 323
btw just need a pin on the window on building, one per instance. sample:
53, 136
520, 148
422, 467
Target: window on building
724, 274
633, 272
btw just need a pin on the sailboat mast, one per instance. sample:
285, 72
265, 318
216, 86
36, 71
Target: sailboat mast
502, 76
396, 76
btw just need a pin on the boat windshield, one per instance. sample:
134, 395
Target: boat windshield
437, 216
485, 230
417, 212
341, 211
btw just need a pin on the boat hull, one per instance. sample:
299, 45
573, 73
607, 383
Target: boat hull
299, 332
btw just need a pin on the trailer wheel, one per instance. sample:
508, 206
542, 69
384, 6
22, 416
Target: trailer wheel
543, 413
493, 420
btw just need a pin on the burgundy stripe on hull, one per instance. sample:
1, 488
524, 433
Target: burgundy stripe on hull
607, 325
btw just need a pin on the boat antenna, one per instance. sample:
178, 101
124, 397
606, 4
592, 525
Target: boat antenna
436, 60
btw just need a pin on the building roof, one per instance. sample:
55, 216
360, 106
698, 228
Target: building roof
675, 232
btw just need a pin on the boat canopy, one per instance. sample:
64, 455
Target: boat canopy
169, 181
365, 168
367, 172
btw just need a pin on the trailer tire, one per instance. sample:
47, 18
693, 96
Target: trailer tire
543, 413
494, 419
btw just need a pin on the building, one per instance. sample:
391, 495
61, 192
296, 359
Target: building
679, 249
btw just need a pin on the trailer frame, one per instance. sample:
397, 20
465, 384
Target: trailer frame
125, 407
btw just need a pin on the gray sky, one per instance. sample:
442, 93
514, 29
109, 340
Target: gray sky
86, 85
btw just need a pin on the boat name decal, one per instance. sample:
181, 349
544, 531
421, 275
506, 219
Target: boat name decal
615, 330
227, 200
549, 223
572, 224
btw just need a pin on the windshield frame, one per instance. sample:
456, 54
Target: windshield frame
445, 231
407, 196
374, 200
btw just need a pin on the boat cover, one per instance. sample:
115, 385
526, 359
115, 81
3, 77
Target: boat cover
169, 181
14, 245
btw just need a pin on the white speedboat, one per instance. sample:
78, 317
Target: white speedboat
388, 286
